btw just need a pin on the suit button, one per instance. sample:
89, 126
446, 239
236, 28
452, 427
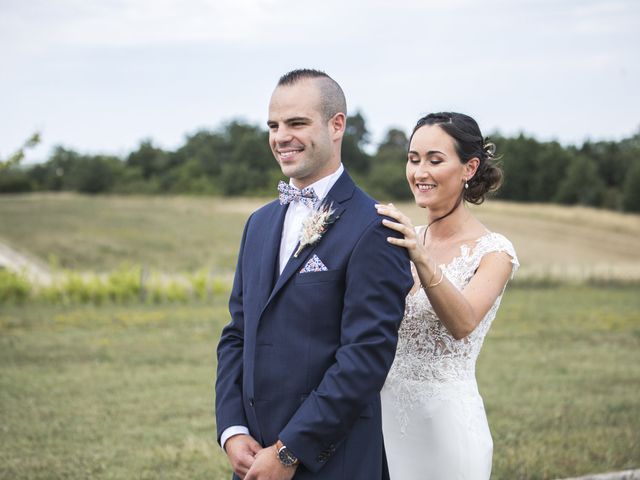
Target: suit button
251, 402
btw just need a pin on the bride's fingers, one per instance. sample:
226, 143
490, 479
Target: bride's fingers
407, 230
401, 242
398, 227
389, 211
397, 215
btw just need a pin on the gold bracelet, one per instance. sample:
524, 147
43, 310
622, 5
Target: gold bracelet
439, 281
435, 269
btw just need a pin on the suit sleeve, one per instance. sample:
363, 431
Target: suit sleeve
377, 281
229, 406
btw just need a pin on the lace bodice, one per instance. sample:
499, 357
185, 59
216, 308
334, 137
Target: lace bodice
429, 361
426, 351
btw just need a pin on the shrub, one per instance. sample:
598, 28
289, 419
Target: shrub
14, 288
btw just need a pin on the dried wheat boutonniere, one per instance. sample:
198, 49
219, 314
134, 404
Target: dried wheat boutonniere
314, 226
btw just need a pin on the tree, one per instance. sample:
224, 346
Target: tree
548, 170
519, 165
96, 174
355, 139
17, 157
357, 129
631, 189
387, 176
150, 160
582, 184
58, 172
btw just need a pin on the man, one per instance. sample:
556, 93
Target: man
314, 321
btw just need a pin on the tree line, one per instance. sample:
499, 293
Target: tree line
236, 160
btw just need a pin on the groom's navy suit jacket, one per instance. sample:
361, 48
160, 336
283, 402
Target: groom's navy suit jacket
306, 354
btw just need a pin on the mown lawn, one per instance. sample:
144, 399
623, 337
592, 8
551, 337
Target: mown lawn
122, 392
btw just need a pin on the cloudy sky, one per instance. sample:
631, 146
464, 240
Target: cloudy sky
102, 75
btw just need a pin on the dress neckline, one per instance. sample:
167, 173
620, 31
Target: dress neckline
471, 246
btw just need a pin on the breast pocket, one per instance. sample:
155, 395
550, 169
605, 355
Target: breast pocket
317, 277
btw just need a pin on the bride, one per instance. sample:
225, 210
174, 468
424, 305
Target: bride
434, 422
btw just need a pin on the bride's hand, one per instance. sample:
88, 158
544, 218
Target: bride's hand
405, 227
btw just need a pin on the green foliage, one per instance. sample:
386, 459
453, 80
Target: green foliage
95, 174
631, 192
14, 288
387, 179
126, 285
149, 160
15, 181
356, 137
387, 176
17, 157
236, 160
582, 184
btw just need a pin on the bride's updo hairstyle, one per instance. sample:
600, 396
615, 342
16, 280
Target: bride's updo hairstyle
469, 144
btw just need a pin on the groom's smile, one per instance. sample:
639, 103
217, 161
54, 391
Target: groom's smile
288, 154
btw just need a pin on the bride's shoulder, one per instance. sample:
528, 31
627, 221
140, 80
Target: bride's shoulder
495, 238
494, 242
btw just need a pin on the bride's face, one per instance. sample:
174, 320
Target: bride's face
435, 173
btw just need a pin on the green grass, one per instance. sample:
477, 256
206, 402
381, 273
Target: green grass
109, 393
118, 392
560, 376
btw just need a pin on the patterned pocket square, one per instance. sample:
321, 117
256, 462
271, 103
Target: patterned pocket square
314, 265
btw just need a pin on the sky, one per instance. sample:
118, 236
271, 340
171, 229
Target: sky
101, 76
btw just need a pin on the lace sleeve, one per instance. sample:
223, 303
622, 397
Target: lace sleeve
495, 242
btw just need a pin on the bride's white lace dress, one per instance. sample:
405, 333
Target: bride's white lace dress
434, 422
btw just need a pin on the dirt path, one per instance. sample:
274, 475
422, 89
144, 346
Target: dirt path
18, 262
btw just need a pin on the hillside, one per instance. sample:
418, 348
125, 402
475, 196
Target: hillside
190, 233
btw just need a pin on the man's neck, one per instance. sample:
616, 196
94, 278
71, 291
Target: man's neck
304, 182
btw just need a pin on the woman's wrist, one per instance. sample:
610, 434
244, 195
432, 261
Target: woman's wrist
426, 266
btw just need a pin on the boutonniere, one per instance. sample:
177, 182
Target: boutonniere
314, 226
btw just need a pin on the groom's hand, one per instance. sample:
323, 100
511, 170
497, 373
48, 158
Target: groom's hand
241, 450
267, 467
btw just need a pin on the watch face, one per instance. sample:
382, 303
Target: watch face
286, 457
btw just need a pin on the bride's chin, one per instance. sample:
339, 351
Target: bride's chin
421, 201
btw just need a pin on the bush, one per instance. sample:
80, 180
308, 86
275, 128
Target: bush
14, 288
126, 285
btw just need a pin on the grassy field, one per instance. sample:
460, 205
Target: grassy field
127, 392
100, 233
173, 234
120, 392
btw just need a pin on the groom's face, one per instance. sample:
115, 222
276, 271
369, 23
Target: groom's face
301, 139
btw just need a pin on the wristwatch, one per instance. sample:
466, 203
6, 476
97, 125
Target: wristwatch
285, 456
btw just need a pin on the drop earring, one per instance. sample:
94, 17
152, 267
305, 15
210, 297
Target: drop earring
466, 185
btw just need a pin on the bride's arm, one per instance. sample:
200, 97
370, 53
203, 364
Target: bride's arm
459, 311
462, 311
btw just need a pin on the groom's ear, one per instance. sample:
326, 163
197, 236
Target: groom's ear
337, 125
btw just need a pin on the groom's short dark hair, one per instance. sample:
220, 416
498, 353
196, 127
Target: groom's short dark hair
331, 95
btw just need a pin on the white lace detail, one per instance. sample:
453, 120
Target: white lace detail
429, 360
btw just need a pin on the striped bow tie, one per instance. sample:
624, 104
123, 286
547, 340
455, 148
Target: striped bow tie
289, 193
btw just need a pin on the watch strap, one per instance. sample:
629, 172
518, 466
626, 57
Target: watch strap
285, 456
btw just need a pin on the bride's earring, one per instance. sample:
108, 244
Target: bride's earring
466, 184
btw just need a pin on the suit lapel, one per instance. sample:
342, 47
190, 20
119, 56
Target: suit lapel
270, 265
337, 197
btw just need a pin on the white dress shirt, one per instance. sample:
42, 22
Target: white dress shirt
296, 213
